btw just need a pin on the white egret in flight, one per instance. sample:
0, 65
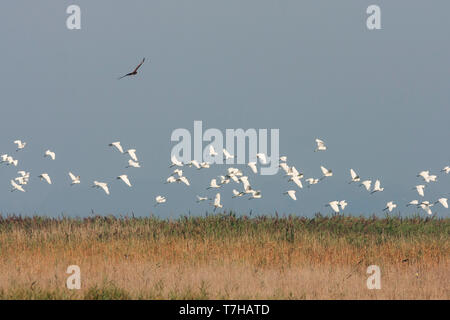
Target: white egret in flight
419, 189
355, 177
171, 179
320, 145
125, 179
237, 193
333, 205
377, 187
159, 200
252, 166
20, 144
101, 185
50, 154
175, 162
446, 169
390, 206
443, 202
75, 179
217, 203
261, 157
133, 164
291, 194
16, 186
116, 145
413, 203
312, 181
46, 177
132, 154
212, 152
200, 199
326, 172
194, 163
213, 184
184, 180
227, 155
367, 184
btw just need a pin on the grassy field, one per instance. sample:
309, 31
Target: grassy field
224, 257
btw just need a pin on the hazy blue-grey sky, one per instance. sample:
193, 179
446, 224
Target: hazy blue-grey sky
379, 99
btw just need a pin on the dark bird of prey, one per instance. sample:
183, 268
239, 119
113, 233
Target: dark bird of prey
134, 71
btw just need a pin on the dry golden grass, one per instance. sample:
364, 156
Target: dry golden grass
224, 257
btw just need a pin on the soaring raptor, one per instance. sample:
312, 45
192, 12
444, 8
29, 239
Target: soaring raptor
134, 71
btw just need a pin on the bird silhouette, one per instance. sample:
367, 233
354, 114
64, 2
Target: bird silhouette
134, 72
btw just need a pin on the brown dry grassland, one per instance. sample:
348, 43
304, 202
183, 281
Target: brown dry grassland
224, 257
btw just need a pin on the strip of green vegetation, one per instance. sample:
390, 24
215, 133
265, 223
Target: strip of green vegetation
229, 225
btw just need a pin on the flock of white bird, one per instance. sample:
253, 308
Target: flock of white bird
235, 175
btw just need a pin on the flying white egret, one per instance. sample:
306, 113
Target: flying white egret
194, 163
117, 146
159, 200
227, 155
179, 172
184, 180
175, 162
443, 202
425, 205
235, 171
246, 184
261, 157
419, 189
355, 177
213, 184
204, 165
333, 205
4, 158
22, 173
237, 193
390, 206
50, 154
217, 203
16, 186
233, 177
75, 179
21, 180
102, 185
46, 177
212, 152
132, 154
200, 199
312, 181
252, 166
20, 144
427, 177
343, 204
377, 187
293, 172
10, 160
255, 195
367, 184
125, 179
171, 179
413, 203
326, 172
291, 193
446, 169
224, 180
320, 145
133, 164
297, 181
